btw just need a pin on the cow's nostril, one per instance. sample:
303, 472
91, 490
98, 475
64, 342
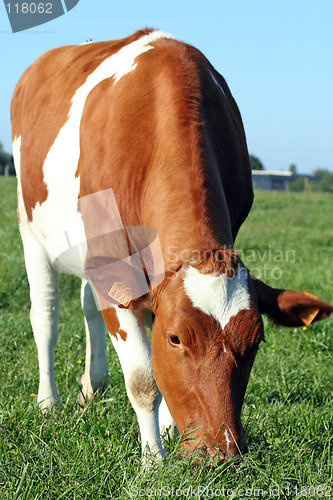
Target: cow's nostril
217, 455
214, 453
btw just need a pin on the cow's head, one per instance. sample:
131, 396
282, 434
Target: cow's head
206, 334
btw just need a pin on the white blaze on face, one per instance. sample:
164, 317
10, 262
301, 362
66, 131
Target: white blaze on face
217, 296
58, 218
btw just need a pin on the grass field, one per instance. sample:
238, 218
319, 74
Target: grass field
287, 414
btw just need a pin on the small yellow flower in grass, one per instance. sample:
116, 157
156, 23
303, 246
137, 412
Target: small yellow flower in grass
32, 394
79, 362
273, 350
304, 328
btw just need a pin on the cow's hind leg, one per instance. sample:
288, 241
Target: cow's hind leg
96, 374
44, 294
133, 348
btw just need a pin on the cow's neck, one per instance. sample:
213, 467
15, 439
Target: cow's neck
192, 228
189, 243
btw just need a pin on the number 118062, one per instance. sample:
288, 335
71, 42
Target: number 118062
29, 8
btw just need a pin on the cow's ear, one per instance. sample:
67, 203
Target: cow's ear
287, 307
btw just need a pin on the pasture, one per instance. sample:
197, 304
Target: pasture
287, 414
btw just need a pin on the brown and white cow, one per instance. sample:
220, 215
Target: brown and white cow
149, 118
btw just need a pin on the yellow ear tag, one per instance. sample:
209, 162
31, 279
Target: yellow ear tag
120, 293
308, 316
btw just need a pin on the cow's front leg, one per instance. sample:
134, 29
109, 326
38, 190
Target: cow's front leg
96, 374
133, 348
167, 423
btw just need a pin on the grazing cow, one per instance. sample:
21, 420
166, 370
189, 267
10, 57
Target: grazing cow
141, 133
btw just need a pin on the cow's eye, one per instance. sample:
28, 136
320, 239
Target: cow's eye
174, 340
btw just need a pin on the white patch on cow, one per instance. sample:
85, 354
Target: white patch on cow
217, 296
217, 84
135, 358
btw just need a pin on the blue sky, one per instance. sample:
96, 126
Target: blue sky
277, 58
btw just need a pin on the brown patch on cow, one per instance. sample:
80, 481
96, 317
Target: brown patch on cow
122, 334
143, 388
243, 333
112, 323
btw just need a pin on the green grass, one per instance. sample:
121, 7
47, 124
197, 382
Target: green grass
287, 413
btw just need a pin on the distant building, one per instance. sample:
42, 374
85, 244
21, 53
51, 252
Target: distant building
270, 180
275, 180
